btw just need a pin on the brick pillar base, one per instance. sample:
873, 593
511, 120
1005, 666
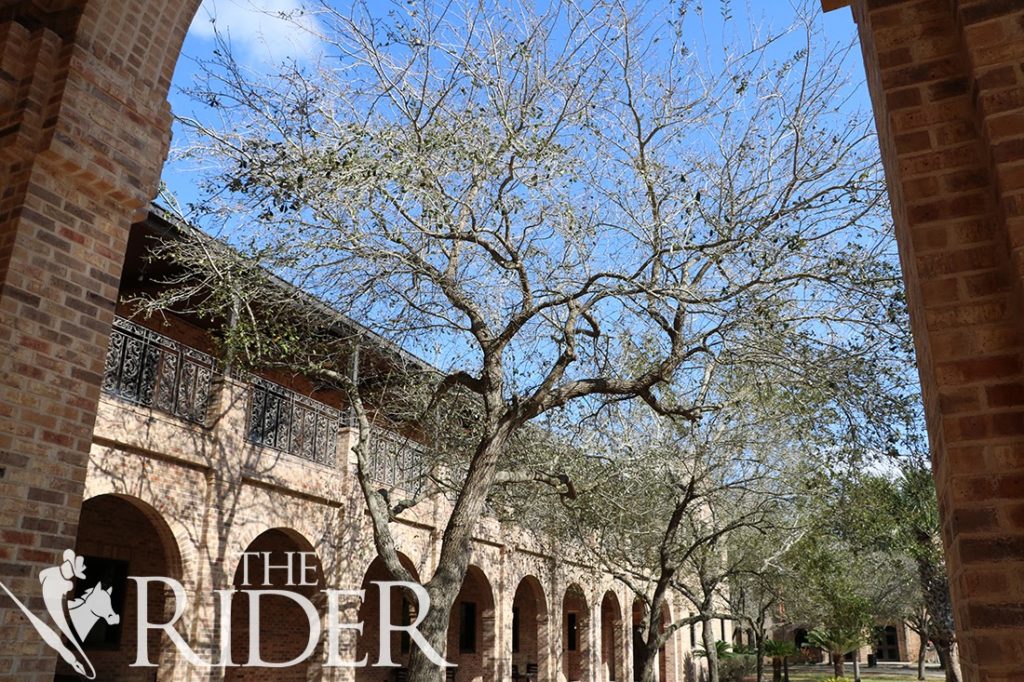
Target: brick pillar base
83, 134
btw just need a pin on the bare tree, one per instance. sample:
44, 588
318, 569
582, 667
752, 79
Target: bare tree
724, 498
557, 205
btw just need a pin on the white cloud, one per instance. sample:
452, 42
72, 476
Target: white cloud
256, 30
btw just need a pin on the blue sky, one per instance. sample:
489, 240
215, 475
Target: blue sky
260, 40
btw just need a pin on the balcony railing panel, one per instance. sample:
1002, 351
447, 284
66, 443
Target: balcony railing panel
282, 419
395, 461
147, 368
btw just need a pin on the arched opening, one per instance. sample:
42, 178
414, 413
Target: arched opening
403, 612
888, 644
575, 635
278, 559
120, 536
529, 630
471, 629
611, 638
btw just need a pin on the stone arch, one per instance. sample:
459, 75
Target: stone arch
120, 536
966, 315
612, 646
84, 140
402, 612
472, 633
530, 637
278, 559
576, 652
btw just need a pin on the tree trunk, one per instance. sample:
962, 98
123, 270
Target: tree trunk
708, 635
935, 586
949, 657
856, 666
453, 561
785, 669
921, 654
648, 660
776, 669
837, 664
759, 662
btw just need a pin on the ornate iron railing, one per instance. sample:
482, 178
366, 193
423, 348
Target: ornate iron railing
282, 419
395, 461
147, 368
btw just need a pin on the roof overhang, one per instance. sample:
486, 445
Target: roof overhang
829, 5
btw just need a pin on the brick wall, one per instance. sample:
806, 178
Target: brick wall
283, 624
83, 135
948, 89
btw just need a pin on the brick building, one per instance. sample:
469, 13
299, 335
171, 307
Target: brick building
192, 466
84, 129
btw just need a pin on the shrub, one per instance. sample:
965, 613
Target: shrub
736, 667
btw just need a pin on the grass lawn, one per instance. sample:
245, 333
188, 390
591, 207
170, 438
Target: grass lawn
866, 674
817, 677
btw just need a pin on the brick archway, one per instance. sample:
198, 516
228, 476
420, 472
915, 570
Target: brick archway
947, 87
283, 627
472, 629
530, 645
612, 645
121, 536
402, 613
82, 148
576, 635
83, 135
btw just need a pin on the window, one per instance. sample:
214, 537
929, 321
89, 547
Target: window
107, 573
570, 635
467, 628
721, 622
515, 629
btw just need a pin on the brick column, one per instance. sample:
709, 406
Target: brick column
948, 90
84, 129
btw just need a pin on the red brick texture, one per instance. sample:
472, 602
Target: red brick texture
283, 625
126, 531
611, 639
947, 83
576, 662
83, 134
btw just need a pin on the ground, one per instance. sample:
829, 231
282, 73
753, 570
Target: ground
882, 673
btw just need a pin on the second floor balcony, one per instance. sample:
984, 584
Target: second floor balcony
149, 369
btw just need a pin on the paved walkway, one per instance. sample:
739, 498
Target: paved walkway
907, 670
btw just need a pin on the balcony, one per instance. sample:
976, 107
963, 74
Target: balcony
395, 461
284, 420
146, 368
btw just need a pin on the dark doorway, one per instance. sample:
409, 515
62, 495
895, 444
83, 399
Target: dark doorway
888, 644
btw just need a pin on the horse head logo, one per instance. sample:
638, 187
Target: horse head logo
93, 605
84, 611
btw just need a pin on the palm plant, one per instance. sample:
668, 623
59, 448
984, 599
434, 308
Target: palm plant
723, 650
838, 642
780, 651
